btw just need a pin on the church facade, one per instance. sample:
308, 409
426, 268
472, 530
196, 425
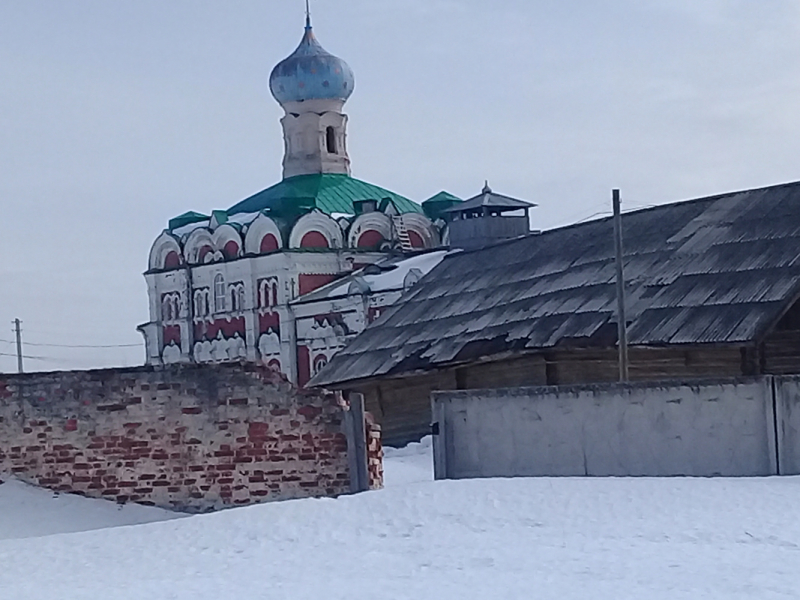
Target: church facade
239, 284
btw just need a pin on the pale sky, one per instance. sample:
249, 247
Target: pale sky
116, 116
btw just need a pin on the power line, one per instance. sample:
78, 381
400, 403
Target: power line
44, 358
77, 345
85, 345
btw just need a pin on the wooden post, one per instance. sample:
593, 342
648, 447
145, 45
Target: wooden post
18, 332
355, 430
622, 324
439, 426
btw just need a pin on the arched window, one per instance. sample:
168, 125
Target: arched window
330, 140
268, 293
263, 293
201, 303
319, 363
236, 293
219, 293
166, 309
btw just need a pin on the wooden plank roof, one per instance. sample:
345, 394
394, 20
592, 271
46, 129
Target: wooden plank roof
709, 271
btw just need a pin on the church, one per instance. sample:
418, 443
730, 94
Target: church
223, 286
288, 276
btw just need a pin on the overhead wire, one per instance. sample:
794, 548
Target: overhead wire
42, 358
102, 346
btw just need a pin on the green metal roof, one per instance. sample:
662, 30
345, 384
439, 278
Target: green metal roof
443, 197
329, 193
435, 206
186, 218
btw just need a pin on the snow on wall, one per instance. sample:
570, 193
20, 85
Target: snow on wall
185, 437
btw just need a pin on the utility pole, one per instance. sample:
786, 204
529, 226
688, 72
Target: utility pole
18, 332
622, 324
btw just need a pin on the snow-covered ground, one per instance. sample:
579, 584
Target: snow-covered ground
488, 539
27, 511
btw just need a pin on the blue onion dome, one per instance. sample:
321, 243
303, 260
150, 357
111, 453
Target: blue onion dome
311, 73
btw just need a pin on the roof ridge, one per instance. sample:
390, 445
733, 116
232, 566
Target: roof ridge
643, 209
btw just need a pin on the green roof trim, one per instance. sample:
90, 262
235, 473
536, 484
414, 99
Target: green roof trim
435, 206
187, 218
329, 193
443, 197
218, 217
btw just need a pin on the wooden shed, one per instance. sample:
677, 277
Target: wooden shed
712, 288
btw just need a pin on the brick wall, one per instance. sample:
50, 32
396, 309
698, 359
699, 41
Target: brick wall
193, 438
374, 453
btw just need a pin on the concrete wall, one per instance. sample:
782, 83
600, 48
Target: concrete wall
193, 438
712, 428
787, 409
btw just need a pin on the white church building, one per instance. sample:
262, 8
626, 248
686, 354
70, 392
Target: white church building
280, 277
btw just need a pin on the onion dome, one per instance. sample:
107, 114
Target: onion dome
311, 73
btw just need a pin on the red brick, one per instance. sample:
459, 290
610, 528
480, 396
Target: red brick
309, 412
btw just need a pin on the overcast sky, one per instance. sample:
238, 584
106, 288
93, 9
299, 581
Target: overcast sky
116, 116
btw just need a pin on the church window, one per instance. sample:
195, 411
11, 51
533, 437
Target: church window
166, 309
330, 138
236, 292
263, 297
219, 293
319, 363
268, 293
170, 307
201, 307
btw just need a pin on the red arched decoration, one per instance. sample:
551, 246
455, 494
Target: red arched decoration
269, 243
314, 239
205, 250
231, 250
275, 365
369, 239
416, 239
172, 261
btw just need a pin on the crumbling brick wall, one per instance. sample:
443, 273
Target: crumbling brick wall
193, 438
374, 453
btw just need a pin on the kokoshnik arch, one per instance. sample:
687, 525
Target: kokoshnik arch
224, 286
